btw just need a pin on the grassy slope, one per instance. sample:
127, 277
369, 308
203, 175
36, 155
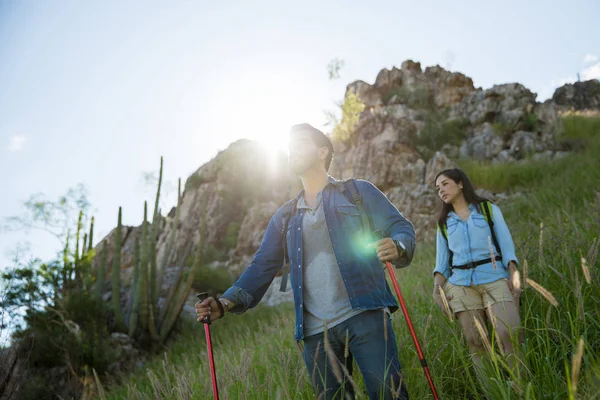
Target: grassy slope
257, 358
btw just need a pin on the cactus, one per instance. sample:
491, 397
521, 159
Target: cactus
89, 255
152, 306
143, 277
77, 238
66, 273
177, 305
101, 271
138, 298
134, 301
91, 236
165, 259
174, 224
84, 247
153, 236
77, 258
143, 315
116, 278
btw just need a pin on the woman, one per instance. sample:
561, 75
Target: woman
476, 265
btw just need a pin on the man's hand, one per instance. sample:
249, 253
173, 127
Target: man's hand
208, 307
386, 249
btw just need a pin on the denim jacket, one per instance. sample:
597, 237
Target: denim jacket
361, 270
469, 242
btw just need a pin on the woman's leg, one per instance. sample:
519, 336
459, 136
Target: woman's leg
508, 328
474, 340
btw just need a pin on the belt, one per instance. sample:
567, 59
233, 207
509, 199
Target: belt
472, 265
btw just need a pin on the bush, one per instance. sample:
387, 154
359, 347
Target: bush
351, 109
530, 123
212, 280
59, 341
435, 134
231, 235
419, 97
76, 331
193, 182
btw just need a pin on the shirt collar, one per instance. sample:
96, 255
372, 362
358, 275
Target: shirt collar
300, 198
471, 209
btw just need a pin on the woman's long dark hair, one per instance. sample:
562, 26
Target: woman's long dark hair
457, 175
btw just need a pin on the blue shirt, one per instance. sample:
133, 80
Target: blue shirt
469, 242
362, 272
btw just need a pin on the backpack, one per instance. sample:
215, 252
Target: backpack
350, 190
487, 214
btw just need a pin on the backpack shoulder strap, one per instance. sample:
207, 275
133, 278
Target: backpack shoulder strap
289, 209
486, 207
349, 185
443, 228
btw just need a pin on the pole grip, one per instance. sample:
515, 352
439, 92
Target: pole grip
203, 296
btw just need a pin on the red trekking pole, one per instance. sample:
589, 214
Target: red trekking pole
412, 330
211, 360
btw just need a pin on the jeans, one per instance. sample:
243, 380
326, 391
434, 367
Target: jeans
376, 357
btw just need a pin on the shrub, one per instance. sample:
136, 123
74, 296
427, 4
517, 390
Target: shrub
435, 134
351, 109
212, 280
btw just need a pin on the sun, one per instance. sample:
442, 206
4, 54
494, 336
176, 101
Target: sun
271, 131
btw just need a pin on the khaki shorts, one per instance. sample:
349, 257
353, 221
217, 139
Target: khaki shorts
477, 297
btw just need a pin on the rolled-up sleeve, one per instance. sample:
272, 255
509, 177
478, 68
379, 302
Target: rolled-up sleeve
507, 246
442, 256
387, 219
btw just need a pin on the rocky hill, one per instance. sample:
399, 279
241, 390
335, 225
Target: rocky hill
414, 123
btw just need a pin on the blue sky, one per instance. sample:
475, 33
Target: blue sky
96, 91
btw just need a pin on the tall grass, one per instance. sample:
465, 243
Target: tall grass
256, 356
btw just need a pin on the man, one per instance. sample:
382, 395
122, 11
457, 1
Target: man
338, 283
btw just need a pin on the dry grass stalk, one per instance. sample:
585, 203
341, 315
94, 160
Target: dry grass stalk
333, 361
347, 345
525, 273
396, 392
541, 248
586, 271
576, 365
385, 322
492, 256
515, 279
429, 317
593, 252
493, 320
352, 382
101, 394
541, 290
446, 305
482, 333
314, 371
579, 295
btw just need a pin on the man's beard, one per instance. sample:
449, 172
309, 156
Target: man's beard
300, 164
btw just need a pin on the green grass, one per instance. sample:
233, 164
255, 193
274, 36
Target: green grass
257, 358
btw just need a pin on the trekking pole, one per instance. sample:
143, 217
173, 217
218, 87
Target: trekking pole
211, 360
412, 330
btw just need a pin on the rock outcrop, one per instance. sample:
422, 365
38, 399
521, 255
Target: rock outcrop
578, 96
414, 125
